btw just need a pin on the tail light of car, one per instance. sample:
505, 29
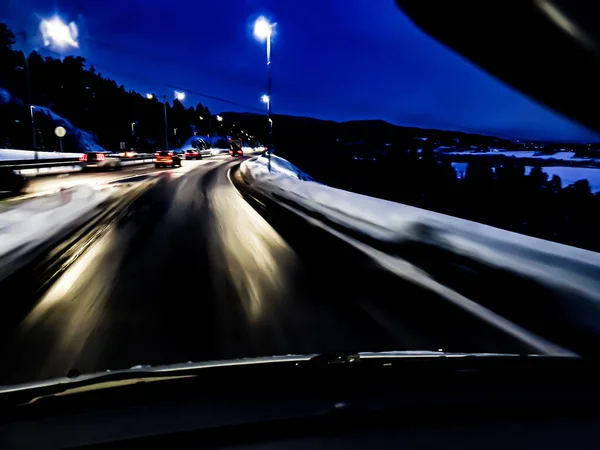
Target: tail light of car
156, 154
231, 152
100, 156
170, 153
83, 158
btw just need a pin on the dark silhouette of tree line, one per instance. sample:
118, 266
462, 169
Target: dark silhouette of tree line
498, 195
89, 101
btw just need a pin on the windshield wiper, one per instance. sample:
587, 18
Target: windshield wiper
424, 360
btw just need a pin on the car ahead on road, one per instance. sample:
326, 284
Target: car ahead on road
166, 158
100, 161
129, 154
193, 154
236, 152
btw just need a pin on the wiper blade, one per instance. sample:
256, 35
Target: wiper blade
137, 374
141, 373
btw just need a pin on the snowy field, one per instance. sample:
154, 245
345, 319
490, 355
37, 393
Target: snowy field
558, 156
568, 175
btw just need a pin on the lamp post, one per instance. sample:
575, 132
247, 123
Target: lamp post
263, 31
25, 69
166, 129
150, 97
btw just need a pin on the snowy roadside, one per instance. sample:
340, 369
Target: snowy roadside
560, 267
8, 154
29, 223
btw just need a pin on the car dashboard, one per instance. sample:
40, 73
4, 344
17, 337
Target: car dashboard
324, 407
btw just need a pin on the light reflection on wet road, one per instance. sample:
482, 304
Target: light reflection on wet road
192, 273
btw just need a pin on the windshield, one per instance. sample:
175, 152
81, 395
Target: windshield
360, 187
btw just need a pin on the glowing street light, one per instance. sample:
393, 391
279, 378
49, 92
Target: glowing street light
180, 96
263, 31
57, 33
149, 96
219, 119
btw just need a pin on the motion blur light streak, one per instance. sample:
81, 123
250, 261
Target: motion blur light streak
256, 257
65, 285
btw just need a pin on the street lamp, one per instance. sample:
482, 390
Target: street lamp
219, 119
149, 96
180, 96
263, 31
266, 100
29, 101
56, 32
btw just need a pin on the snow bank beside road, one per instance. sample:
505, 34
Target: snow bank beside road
258, 169
28, 224
561, 267
7, 154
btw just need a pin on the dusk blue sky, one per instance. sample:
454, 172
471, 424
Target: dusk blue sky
332, 59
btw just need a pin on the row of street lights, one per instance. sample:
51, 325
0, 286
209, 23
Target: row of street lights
263, 31
178, 96
56, 33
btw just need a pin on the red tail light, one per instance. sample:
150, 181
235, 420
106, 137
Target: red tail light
157, 154
170, 153
83, 158
100, 156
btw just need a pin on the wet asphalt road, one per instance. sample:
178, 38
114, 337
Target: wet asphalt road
48, 183
193, 272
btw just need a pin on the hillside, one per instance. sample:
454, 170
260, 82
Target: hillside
292, 130
46, 120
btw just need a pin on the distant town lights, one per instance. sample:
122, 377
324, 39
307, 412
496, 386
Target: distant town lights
57, 33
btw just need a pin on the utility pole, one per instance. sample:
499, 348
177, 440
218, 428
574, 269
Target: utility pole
166, 129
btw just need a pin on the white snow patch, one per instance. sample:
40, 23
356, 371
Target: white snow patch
29, 223
460, 168
570, 175
7, 154
258, 168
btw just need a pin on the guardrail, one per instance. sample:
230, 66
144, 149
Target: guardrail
455, 257
64, 162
